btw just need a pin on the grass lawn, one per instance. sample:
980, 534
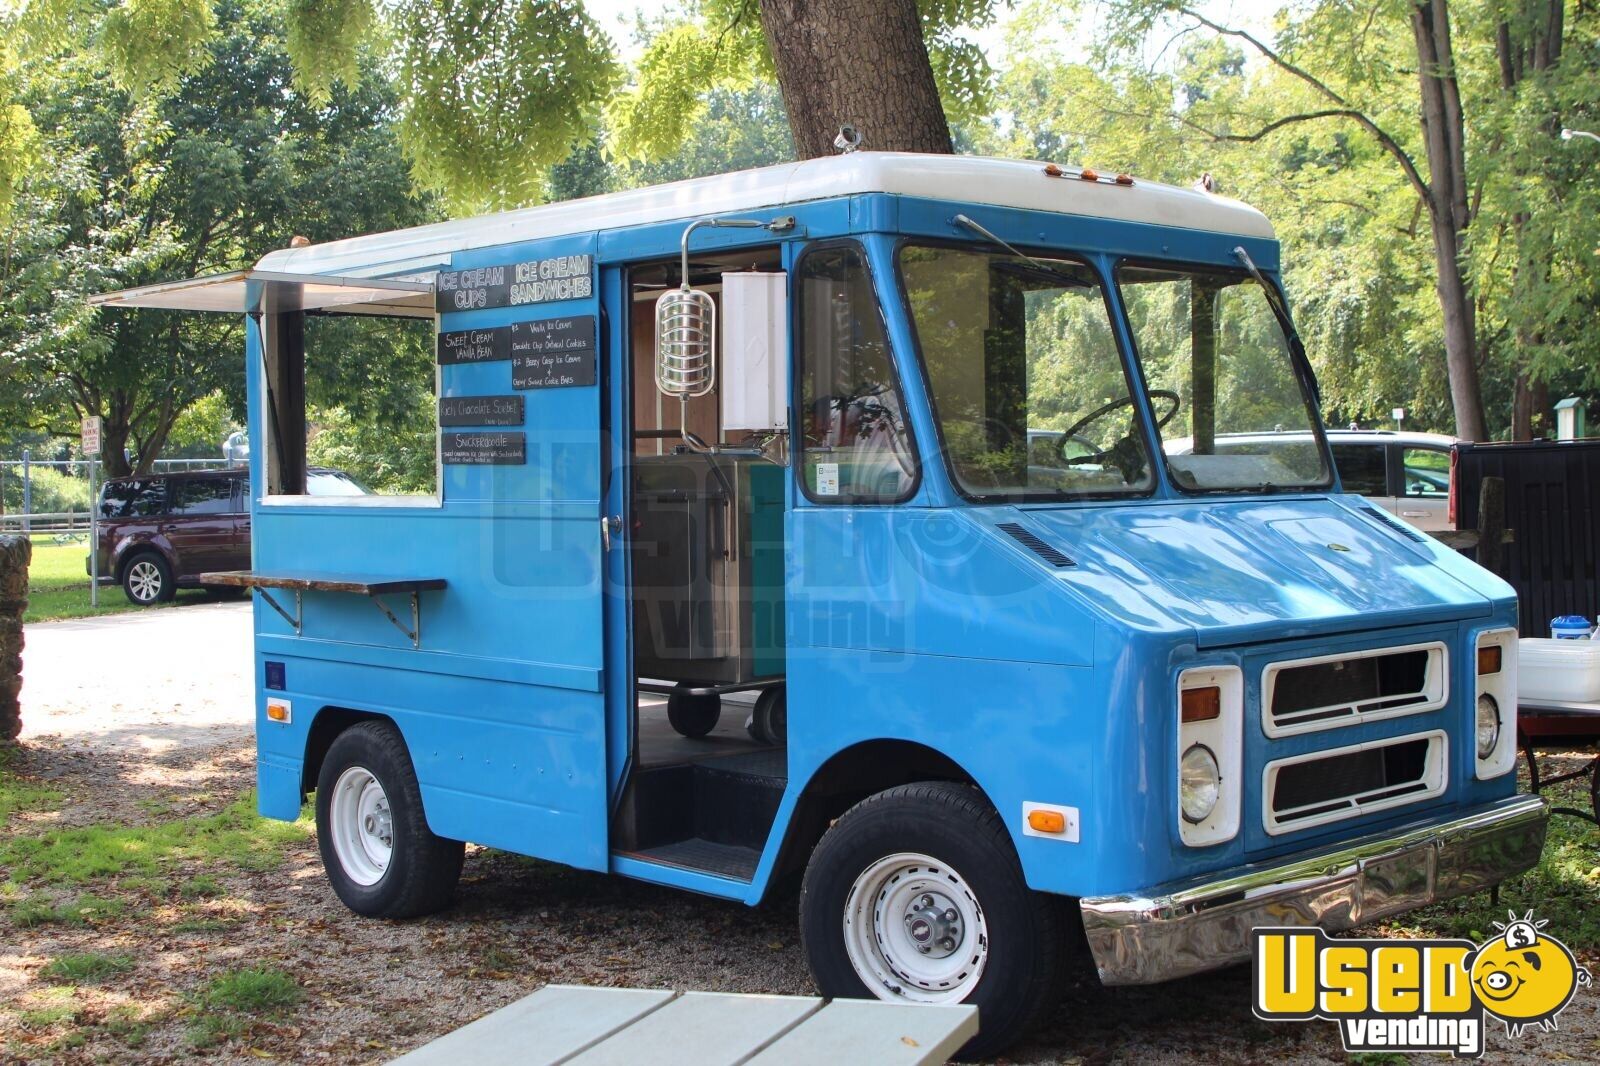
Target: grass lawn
58, 586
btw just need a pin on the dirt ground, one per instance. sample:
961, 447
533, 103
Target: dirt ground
371, 990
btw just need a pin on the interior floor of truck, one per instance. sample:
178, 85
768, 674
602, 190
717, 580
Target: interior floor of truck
661, 745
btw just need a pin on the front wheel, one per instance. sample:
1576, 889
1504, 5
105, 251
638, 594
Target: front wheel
380, 856
147, 579
915, 895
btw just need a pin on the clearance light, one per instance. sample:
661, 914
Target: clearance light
1047, 821
1488, 659
278, 711
1124, 179
1201, 704
1089, 175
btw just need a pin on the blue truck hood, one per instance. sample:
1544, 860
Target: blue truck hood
1245, 571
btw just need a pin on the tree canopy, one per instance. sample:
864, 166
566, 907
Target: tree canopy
1439, 237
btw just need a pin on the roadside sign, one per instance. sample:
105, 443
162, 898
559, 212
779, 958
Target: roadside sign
91, 435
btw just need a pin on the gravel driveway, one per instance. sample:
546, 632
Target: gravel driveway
149, 681
145, 717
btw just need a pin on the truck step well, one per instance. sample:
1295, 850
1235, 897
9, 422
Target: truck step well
704, 856
713, 815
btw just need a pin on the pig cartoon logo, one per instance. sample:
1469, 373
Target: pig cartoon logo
1525, 978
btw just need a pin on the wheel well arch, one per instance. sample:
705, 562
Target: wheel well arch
849, 776
325, 729
132, 551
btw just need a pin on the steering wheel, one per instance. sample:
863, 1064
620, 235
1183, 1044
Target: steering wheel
1125, 401
1126, 454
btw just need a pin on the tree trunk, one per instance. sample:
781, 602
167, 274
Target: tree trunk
1530, 403
113, 445
1530, 408
15, 553
1444, 134
860, 63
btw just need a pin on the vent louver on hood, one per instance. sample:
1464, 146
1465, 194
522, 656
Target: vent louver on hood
1389, 521
1035, 545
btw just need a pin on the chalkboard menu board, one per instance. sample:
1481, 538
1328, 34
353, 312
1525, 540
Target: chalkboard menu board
553, 353
484, 449
481, 410
474, 345
561, 277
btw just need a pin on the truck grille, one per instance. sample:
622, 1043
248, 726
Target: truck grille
1330, 786
1363, 686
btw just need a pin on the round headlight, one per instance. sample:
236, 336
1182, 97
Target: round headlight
1488, 725
1199, 783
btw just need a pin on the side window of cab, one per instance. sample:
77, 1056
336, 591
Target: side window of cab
853, 438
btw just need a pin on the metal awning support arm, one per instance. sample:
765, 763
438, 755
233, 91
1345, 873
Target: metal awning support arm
295, 619
414, 634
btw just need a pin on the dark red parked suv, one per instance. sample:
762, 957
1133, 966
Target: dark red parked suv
160, 532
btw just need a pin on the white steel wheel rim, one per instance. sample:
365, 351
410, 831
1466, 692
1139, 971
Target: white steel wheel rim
145, 579
905, 903
361, 825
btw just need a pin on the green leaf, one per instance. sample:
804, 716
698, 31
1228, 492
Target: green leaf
497, 93
150, 44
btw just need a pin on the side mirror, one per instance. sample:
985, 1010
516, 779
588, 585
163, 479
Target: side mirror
686, 342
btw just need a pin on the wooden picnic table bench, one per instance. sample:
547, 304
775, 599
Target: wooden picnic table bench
648, 1027
372, 586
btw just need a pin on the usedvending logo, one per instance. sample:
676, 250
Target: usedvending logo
1416, 995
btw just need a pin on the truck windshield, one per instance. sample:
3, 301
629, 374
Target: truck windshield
1030, 393
1209, 340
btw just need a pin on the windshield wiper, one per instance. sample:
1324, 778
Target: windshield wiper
1274, 301
1042, 267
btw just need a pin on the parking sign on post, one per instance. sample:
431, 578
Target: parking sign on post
91, 435
90, 432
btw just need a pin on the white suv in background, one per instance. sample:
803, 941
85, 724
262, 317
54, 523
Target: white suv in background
1407, 474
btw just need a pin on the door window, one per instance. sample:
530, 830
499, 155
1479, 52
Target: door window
856, 445
141, 498
202, 496
1362, 468
1425, 472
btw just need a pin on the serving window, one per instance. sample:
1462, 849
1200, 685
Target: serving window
353, 398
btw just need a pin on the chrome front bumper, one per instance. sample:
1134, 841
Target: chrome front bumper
1188, 927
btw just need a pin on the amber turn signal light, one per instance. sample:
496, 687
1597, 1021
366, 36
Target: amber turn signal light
1047, 821
1201, 704
1489, 659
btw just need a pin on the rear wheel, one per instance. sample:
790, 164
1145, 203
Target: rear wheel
147, 579
693, 715
915, 895
381, 858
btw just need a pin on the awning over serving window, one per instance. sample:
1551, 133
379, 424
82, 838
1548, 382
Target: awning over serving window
272, 292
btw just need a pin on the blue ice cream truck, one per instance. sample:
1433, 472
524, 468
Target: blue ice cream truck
953, 538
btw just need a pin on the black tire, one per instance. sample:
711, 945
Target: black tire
769, 719
147, 579
1028, 952
423, 869
691, 715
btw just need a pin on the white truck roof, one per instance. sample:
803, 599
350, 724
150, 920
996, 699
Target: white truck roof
968, 179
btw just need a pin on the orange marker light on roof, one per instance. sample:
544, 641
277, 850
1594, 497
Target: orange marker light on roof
1047, 821
1201, 704
1124, 179
1051, 170
1089, 175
